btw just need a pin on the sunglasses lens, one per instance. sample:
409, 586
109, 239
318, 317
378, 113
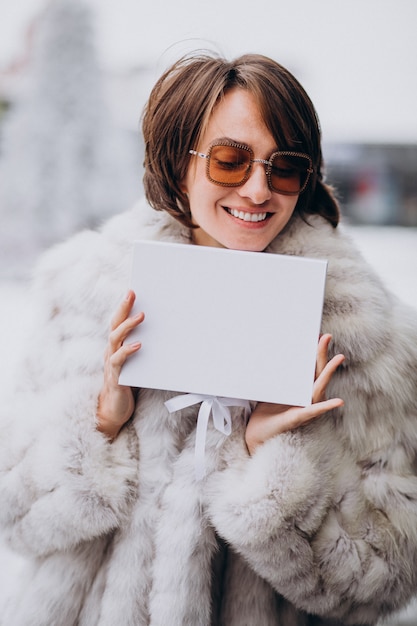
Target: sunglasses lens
289, 173
229, 165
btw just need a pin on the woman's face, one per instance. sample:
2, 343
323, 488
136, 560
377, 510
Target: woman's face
221, 213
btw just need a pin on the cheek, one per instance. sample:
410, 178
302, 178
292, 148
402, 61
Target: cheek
290, 204
203, 195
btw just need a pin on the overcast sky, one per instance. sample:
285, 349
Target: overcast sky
356, 58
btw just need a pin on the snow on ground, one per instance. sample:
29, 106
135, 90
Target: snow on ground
392, 252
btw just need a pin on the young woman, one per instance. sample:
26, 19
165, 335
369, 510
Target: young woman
305, 515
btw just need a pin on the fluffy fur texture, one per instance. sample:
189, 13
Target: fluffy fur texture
321, 521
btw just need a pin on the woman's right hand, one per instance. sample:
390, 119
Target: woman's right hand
116, 403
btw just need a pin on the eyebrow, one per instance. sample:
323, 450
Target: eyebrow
229, 139
237, 142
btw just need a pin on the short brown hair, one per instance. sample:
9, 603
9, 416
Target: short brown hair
179, 108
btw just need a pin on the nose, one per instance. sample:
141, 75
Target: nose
256, 187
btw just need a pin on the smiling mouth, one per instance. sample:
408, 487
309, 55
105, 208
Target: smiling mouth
246, 216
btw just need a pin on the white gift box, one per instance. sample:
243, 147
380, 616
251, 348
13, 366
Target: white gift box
225, 322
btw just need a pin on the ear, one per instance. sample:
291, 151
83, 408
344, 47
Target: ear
183, 188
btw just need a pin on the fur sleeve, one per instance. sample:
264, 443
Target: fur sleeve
334, 538
61, 481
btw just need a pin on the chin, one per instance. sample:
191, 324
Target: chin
246, 246
251, 242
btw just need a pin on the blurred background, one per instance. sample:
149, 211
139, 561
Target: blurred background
75, 74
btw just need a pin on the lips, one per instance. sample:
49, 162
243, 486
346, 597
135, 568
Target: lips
246, 216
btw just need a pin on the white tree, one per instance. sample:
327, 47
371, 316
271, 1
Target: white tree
63, 165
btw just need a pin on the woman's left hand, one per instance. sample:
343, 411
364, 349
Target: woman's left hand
269, 420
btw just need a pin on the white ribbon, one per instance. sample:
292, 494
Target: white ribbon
218, 407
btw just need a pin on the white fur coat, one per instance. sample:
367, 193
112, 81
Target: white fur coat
321, 521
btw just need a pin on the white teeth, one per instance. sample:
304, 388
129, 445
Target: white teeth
248, 217
258, 217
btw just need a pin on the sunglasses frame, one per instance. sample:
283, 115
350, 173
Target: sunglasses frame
268, 163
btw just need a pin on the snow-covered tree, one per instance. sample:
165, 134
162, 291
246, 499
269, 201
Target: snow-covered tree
63, 164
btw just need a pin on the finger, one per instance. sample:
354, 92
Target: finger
321, 383
119, 334
300, 417
123, 310
322, 353
118, 359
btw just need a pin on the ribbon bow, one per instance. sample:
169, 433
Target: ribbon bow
218, 407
